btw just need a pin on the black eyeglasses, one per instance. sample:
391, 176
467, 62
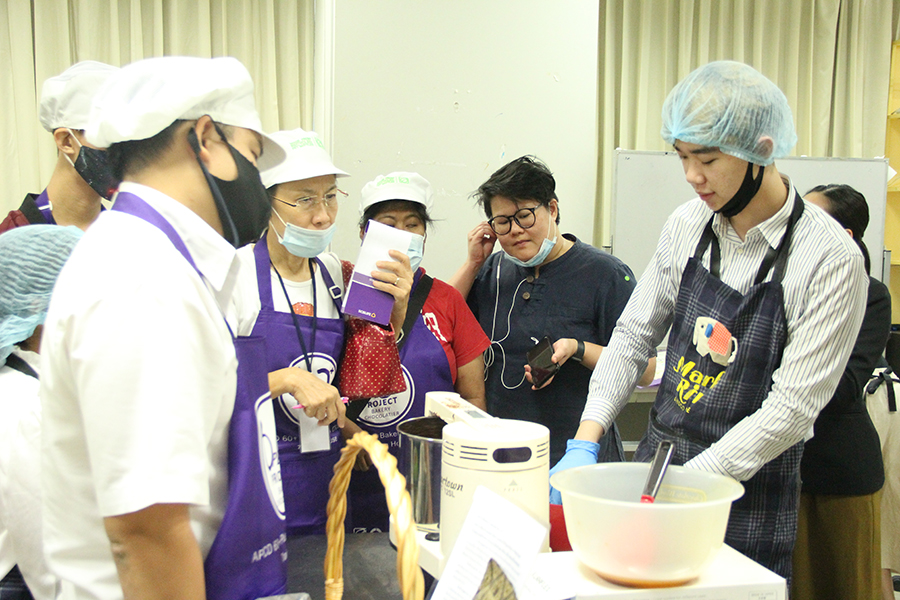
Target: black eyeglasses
524, 218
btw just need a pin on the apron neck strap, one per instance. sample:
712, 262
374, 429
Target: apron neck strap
706, 237
136, 206
776, 257
16, 363
333, 290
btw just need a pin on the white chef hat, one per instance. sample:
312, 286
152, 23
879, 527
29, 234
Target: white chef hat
399, 185
66, 99
147, 96
305, 158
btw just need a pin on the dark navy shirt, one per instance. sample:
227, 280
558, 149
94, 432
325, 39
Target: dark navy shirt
579, 295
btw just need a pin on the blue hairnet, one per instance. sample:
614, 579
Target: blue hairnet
731, 106
31, 258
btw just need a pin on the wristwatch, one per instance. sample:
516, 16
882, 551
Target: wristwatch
579, 352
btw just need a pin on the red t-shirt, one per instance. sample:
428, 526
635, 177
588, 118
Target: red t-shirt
448, 317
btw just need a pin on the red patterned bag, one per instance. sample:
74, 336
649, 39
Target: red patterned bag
370, 367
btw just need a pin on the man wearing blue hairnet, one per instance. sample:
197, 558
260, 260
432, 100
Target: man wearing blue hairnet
762, 297
30, 260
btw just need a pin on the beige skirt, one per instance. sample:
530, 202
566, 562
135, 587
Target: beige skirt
888, 426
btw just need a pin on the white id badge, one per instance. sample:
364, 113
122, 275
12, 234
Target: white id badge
313, 437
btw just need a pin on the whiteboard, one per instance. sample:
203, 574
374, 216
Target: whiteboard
648, 186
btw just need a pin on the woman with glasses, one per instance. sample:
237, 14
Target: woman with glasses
542, 284
289, 291
441, 351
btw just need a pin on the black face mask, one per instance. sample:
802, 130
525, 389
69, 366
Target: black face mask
242, 203
93, 166
745, 194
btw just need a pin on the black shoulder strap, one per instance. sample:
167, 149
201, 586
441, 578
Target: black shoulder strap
706, 237
17, 364
414, 308
778, 256
31, 211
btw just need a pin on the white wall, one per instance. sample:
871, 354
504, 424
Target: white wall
454, 90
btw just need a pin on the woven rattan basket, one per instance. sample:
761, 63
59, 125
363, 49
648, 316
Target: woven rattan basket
412, 584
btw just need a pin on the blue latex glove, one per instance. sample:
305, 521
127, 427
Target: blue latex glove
578, 453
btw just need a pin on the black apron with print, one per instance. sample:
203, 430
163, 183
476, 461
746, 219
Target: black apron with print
723, 349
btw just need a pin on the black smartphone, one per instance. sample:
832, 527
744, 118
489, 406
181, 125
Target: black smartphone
542, 368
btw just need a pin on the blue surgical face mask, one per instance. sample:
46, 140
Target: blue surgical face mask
542, 254
416, 251
304, 243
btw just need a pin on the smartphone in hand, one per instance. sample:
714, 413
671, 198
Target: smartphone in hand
542, 368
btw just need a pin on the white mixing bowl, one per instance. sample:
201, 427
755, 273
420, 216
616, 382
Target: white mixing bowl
667, 543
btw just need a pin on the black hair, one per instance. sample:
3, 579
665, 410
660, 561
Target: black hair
134, 155
849, 208
526, 178
379, 207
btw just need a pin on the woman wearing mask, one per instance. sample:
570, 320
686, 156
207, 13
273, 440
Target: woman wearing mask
842, 471
543, 283
441, 351
290, 292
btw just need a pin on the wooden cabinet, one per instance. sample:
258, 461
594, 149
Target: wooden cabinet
892, 209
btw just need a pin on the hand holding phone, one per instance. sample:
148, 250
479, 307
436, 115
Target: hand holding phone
541, 363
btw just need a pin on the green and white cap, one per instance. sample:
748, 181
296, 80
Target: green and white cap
399, 185
305, 158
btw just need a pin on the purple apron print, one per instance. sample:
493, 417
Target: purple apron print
305, 476
248, 558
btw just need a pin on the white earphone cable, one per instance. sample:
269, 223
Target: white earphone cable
489, 355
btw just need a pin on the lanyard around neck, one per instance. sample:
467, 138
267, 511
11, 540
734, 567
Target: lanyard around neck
295, 319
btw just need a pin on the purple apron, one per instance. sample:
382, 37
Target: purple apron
248, 558
305, 476
42, 203
425, 369
711, 383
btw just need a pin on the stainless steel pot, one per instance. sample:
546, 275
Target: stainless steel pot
420, 463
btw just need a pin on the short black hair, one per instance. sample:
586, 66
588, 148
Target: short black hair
379, 207
849, 208
526, 178
135, 155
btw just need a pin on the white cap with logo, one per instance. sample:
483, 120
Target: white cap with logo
305, 158
66, 99
147, 96
400, 185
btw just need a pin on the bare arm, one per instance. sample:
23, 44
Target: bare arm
156, 553
470, 382
591, 431
480, 245
320, 400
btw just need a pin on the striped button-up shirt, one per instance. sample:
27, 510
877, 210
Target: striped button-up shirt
824, 300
